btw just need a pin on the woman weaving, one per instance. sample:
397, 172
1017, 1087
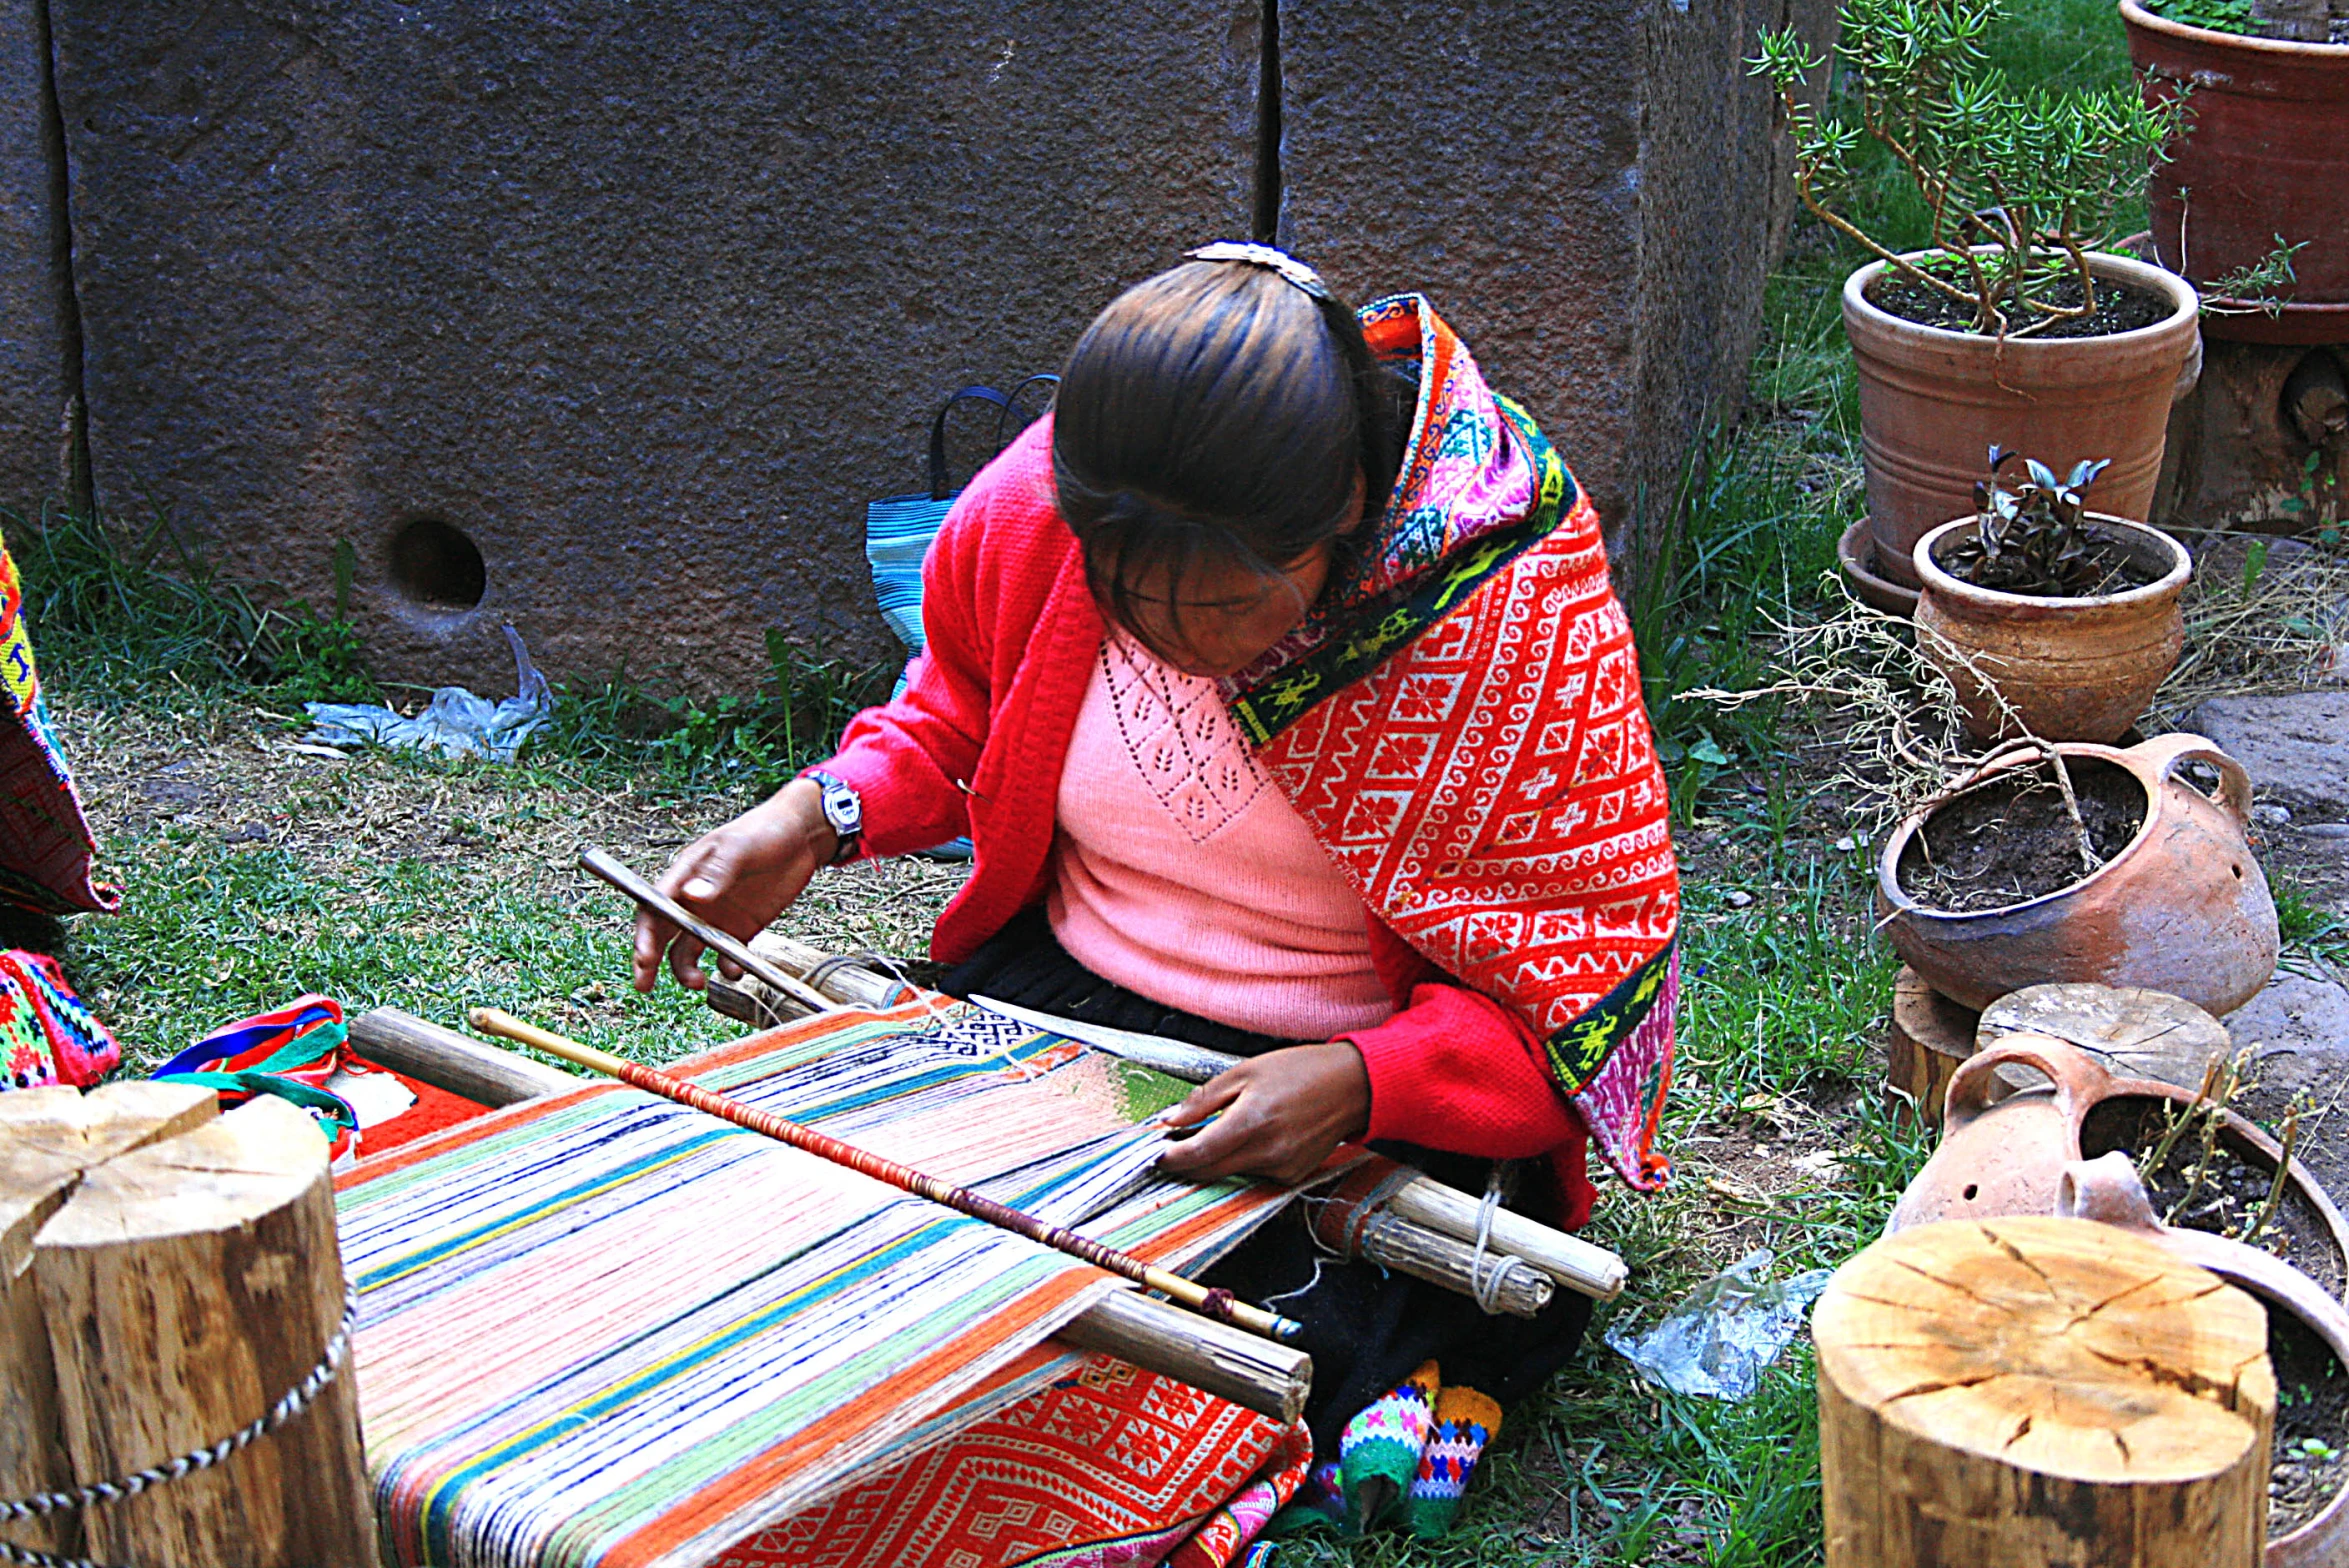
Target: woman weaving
1276, 679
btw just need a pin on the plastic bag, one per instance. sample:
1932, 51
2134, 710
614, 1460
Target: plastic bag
1718, 1339
456, 723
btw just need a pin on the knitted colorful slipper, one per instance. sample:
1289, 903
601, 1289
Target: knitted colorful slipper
1379, 1452
1465, 1421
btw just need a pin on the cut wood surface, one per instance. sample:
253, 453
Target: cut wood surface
48, 1137
1247, 1369
186, 1287
2135, 1032
1931, 1035
2038, 1391
463, 1066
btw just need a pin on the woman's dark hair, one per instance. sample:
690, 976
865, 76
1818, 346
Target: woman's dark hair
1217, 415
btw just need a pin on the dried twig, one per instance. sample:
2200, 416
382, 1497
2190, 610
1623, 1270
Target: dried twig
2275, 1188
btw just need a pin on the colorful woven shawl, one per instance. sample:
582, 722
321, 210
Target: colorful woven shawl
1461, 724
45, 843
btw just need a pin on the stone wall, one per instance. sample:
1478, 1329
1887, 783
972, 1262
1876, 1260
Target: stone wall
607, 318
35, 354
1591, 194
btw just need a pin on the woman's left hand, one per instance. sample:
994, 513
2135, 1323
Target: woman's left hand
1283, 1112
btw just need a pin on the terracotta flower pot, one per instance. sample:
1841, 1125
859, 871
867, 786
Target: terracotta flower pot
1933, 402
2265, 153
2182, 908
2068, 669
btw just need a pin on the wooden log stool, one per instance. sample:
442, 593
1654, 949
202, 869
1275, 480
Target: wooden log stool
2040, 1393
184, 1278
2134, 1032
1930, 1036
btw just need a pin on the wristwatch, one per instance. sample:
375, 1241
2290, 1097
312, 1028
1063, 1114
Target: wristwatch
843, 810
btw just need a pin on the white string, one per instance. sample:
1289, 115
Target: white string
1488, 1287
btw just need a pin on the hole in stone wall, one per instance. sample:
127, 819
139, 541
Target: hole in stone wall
435, 565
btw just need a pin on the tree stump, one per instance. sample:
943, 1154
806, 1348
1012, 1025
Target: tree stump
2135, 1032
48, 1137
2040, 1393
1930, 1036
186, 1288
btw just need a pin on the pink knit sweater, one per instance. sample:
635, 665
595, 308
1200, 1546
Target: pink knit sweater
1183, 874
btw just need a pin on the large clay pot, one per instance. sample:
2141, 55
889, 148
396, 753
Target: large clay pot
2183, 907
1933, 402
2068, 669
2265, 153
2109, 1191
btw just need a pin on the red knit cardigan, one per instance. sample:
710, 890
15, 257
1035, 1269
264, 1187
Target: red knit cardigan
975, 746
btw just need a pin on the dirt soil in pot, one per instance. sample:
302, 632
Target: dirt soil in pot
2312, 1424
2012, 840
2120, 307
2230, 1195
2105, 566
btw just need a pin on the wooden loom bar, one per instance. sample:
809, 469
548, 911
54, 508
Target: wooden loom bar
610, 870
1252, 1372
1574, 1263
1217, 1304
849, 983
457, 1063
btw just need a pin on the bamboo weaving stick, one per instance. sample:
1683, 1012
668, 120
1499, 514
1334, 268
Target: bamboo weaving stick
1217, 1304
610, 870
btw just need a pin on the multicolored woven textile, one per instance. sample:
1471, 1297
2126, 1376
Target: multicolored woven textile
46, 1035
1461, 724
45, 843
1109, 1467
605, 1329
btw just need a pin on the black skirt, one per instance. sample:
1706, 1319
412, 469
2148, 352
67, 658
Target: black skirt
1366, 1329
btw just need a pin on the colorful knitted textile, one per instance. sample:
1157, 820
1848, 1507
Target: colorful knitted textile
1412, 1450
1461, 723
1109, 1467
46, 1035
602, 1328
45, 843
1464, 1422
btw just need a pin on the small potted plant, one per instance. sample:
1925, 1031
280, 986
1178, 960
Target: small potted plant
2047, 617
2014, 322
2251, 198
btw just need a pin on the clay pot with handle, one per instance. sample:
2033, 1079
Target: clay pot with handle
2005, 1151
2059, 668
2182, 908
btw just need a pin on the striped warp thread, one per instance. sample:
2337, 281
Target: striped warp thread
1217, 1304
604, 1330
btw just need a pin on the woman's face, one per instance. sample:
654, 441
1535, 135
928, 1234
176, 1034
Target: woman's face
1224, 618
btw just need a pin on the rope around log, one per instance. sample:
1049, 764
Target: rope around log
292, 1403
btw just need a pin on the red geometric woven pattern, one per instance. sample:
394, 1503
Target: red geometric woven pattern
1109, 1468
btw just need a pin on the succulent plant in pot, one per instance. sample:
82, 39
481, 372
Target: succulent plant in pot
2013, 321
2050, 619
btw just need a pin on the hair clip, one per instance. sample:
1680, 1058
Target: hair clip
1265, 256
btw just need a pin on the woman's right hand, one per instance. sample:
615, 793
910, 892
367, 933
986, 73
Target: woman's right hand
739, 878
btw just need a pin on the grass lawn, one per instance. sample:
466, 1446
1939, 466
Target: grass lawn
254, 870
